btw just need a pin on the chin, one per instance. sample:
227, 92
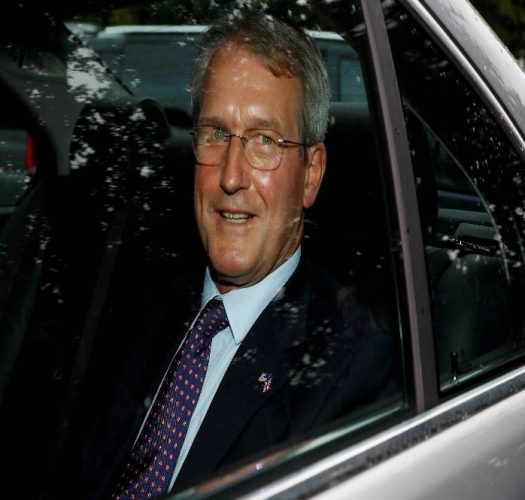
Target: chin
230, 268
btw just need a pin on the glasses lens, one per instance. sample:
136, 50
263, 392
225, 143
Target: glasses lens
209, 145
263, 149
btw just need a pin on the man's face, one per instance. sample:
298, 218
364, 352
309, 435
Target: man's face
251, 221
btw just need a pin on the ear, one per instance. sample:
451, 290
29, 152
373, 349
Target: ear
315, 168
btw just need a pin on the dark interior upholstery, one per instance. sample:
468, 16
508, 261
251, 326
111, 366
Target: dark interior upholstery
346, 229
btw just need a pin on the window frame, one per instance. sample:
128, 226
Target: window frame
423, 360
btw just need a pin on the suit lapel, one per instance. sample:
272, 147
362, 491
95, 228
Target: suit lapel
265, 350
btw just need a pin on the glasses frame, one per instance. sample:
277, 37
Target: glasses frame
282, 143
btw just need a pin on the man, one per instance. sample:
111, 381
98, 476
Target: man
282, 348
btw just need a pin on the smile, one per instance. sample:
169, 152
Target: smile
237, 217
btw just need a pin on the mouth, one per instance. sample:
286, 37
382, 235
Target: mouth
236, 217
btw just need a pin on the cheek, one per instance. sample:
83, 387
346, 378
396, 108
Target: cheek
202, 185
264, 182
285, 183
282, 195
201, 197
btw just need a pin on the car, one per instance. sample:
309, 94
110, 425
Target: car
421, 216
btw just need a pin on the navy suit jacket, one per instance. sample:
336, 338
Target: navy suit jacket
323, 350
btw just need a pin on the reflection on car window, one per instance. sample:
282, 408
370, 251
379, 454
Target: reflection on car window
350, 80
356, 254
17, 156
156, 62
152, 61
116, 235
145, 58
468, 179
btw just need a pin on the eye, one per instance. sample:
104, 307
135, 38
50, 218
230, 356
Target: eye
218, 134
264, 140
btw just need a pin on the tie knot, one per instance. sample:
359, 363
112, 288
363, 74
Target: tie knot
213, 317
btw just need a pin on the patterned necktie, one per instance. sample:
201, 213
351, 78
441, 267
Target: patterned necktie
152, 460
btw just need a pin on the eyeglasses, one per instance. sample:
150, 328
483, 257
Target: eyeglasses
263, 148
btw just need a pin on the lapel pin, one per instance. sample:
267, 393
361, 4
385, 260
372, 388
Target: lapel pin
266, 381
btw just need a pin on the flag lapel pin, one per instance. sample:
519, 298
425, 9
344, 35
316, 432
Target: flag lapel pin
266, 380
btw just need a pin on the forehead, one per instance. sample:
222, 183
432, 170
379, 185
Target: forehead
239, 81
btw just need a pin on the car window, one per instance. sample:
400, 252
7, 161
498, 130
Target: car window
468, 177
118, 228
356, 254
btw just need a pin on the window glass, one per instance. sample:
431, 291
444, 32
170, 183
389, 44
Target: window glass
469, 184
343, 66
350, 80
146, 57
157, 62
17, 156
115, 272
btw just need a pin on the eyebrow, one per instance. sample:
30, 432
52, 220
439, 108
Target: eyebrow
257, 123
211, 121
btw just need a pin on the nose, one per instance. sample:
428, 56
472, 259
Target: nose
235, 169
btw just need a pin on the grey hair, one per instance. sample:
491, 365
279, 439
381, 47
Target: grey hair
284, 50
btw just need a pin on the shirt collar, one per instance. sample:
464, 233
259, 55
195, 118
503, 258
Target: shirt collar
244, 305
